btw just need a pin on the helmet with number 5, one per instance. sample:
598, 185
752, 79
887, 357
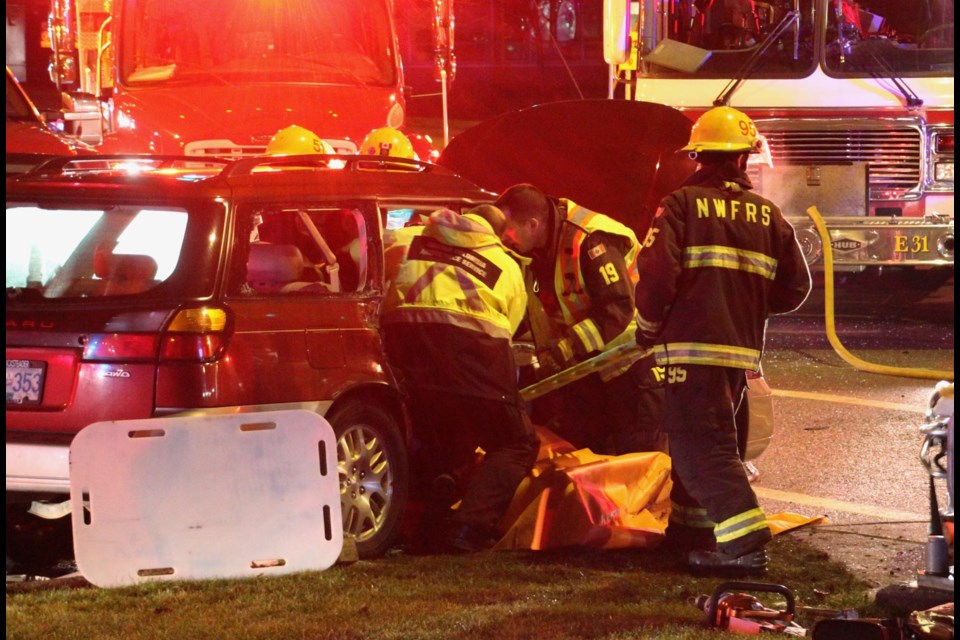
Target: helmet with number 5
296, 140
725, 130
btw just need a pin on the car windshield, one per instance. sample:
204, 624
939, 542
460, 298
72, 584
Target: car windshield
911, 38
313, 41
91, 252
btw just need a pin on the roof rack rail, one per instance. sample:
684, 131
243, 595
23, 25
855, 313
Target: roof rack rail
342, 162
123, 162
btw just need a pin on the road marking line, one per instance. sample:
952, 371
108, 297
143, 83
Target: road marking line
829, 397
837, 505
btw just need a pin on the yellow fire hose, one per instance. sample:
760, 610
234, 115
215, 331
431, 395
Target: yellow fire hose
905, 372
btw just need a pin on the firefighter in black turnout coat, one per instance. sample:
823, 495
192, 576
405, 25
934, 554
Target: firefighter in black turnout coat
717, 261
583, 272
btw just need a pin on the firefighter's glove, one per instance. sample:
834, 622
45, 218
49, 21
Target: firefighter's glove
562, 353
556, 357
645, 340
546, 365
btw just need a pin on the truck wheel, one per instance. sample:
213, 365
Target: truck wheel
372, 466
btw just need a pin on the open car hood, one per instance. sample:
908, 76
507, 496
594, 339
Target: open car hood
617, 157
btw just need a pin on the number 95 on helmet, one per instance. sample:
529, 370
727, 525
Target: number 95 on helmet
724, 129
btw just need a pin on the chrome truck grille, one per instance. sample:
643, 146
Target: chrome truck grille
891, 149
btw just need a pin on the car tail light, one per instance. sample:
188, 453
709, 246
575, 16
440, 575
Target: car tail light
197, 334
120, 346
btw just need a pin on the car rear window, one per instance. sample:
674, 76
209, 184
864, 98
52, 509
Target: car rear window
92, 252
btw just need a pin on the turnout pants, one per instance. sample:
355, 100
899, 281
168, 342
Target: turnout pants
452, 426
710, 485
461, 390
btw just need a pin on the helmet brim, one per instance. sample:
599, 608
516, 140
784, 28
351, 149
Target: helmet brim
718, 147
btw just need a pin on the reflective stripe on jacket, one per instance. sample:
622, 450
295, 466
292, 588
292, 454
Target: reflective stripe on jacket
717, 261
570, 284
458, 272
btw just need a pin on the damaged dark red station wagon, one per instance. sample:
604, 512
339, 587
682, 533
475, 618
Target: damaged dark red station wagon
145, 287
142, 288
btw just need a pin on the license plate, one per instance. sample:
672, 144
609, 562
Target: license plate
25, 381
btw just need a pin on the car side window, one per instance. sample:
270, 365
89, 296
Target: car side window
401, 222
303, 251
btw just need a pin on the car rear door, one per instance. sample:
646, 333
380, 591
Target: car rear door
90, 288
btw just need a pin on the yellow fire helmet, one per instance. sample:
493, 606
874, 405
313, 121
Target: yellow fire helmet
387, 141
723, 129
296, 140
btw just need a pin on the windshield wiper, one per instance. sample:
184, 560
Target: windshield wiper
184, 71
744, 72
909, 95
328, 66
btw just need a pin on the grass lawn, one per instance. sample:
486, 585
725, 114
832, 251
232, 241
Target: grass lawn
505, 595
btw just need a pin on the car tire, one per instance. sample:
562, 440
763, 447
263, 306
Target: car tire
373, 474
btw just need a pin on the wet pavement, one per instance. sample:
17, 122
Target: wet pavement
847, 440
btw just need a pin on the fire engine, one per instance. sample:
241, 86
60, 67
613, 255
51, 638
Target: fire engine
220, 78
856, 107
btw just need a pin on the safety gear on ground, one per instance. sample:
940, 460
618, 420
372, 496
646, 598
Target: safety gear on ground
387, 141
578, 497
297, 140
723, 129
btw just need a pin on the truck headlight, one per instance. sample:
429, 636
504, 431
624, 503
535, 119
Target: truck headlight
943, 171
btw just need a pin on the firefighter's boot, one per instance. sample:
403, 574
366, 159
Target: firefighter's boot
719, 563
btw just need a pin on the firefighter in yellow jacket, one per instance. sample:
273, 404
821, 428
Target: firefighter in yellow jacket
716, 262
584, 272
448, 320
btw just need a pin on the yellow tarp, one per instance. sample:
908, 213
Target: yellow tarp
574, 497
783, 522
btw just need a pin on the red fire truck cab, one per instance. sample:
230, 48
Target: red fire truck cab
221, 78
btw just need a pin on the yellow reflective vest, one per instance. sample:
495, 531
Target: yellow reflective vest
569, 282
458, 272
